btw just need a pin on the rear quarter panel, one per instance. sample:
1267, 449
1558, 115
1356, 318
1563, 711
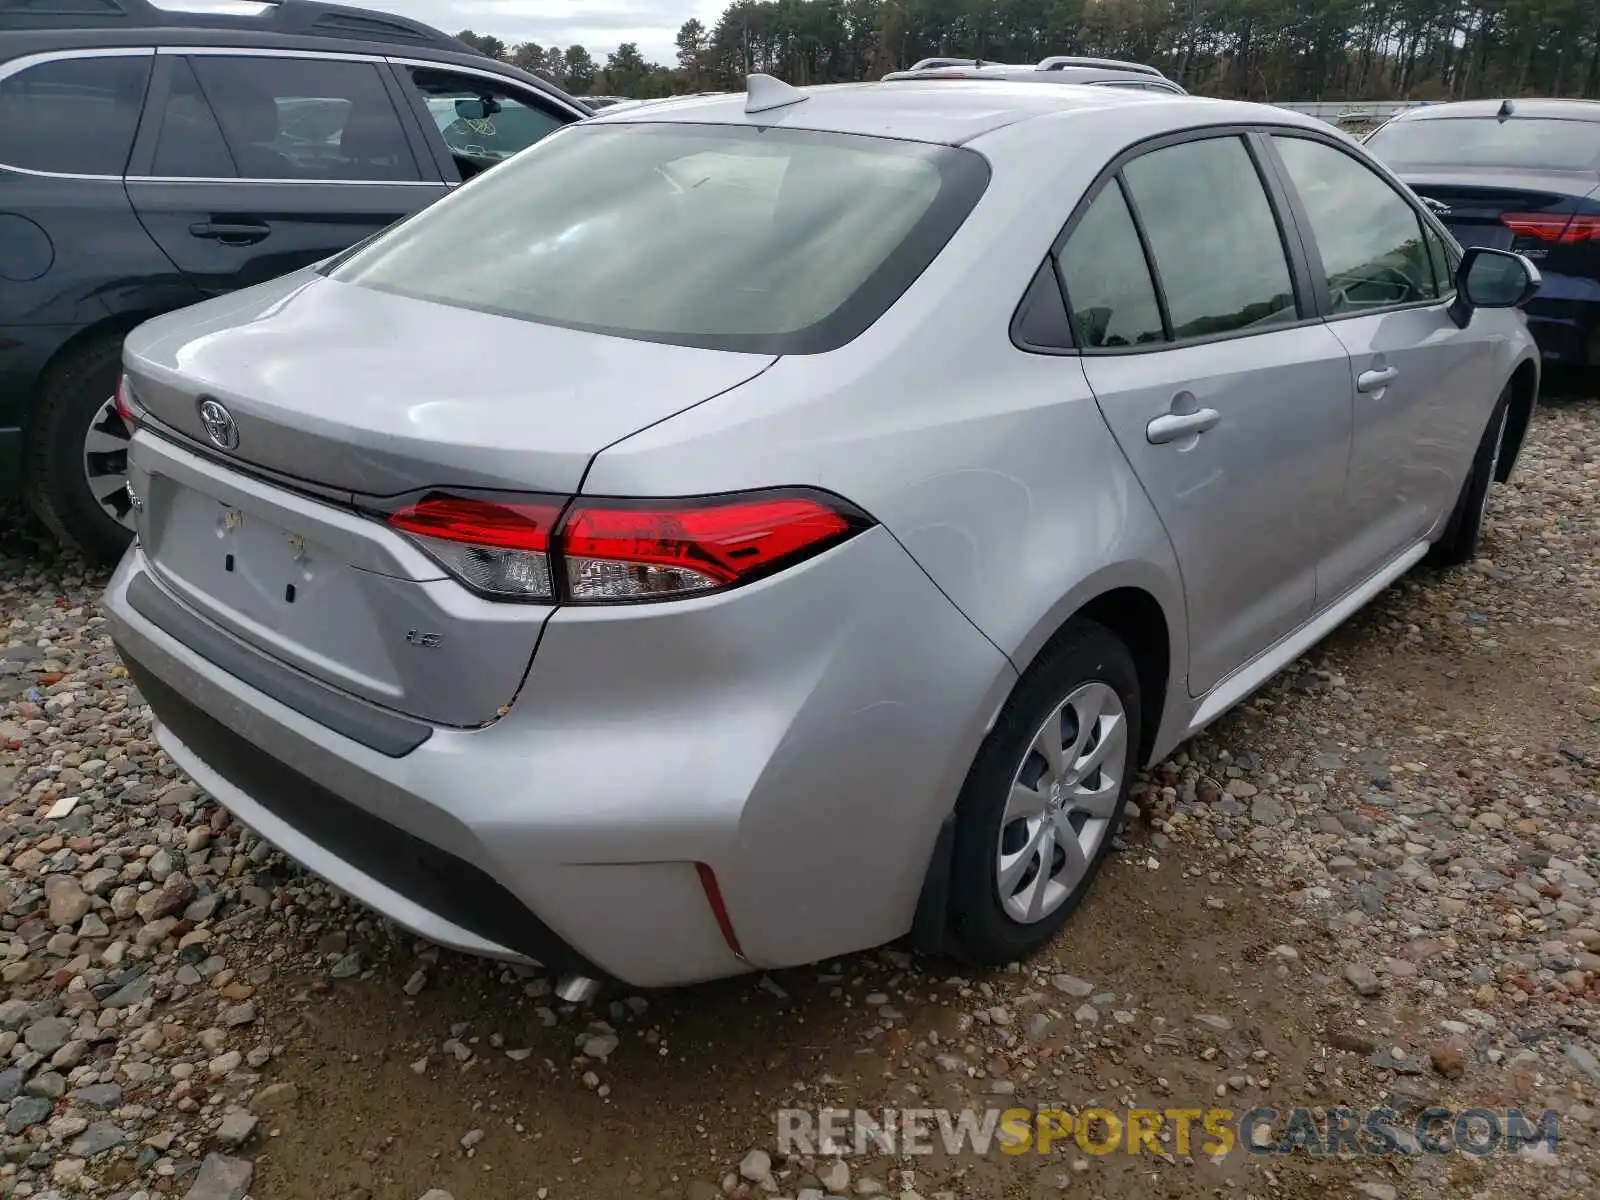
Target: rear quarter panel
992, 466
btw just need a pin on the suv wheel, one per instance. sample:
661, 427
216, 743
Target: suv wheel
1037, 813
76, 466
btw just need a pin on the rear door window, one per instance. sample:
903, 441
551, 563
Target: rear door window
1103, 270
189, 141
1369, 237
73, 116
1212, 233
306, 119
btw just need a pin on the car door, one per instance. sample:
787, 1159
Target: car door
474, 120
251, 165
1382, 277
1230, 401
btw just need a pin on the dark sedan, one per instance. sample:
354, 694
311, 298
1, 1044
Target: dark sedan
1519, 175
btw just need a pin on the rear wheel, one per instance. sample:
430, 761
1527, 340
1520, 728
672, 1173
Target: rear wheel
1459, 544
76, 466
1044, 795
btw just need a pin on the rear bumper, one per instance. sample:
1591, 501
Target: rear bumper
803, 737
1567, 329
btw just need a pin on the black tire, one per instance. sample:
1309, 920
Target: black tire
71, 395
981, 930
1459, 542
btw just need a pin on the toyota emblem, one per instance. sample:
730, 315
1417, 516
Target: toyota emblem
219, 423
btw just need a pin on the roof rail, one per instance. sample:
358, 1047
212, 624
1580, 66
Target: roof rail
307, 17
1057, 61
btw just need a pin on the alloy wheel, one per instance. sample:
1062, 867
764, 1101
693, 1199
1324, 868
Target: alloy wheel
105, 463
1063, 796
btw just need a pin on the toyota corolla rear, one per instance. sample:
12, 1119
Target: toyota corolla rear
377, 614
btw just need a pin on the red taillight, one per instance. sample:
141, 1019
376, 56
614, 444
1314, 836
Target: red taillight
1561, 228
498, 547
629, 550
124, 403
619, 550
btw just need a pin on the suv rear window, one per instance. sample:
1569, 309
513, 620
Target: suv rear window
1521, 142
728, 237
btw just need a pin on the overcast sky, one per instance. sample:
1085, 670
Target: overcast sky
599, 25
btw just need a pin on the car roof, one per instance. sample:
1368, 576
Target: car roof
1572, 110
949, 112
1057, 75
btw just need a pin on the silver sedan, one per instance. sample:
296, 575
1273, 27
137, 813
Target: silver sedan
745, 529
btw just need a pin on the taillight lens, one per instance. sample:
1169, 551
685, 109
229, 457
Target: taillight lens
1561, 228
497, 547
637, 550
609, 550
127, 407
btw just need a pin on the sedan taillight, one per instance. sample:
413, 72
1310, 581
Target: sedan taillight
602, 550
1561, 228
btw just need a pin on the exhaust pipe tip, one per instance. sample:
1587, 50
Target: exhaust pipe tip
577, 989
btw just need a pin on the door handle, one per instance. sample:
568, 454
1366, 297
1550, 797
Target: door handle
1376, 381
1170, 427
230, 234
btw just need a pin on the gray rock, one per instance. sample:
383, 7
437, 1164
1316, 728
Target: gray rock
1072, 986
99, 1095
1362, 978
1583, 1060
437, 1194
347, 967
14, 1014
134, 991
1214, 1022
471, 1138
67, 900
599, 1045
26, 1111
1264, 810
1378, 1191
48, 1034
756, 1167
11, 1084
221, 1178
97, 1139
48, 1084
239, 1014
236, 1128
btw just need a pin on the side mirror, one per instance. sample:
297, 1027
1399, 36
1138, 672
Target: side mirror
1492, 279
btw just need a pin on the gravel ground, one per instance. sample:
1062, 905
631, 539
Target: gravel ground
1376, 883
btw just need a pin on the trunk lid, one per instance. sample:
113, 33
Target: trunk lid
1473, 203
350, 391
357, 390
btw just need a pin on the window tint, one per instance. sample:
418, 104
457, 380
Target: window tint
293, 118
1528, 143
1212, 235
1370, 238
735, 237
483, 124
75, 116
189, 143
1107, 281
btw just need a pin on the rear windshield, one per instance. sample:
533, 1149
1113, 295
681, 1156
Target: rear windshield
1522, 142
728, 237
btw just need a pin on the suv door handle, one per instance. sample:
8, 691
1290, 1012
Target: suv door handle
1376, 381
1172, 426
231, 234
